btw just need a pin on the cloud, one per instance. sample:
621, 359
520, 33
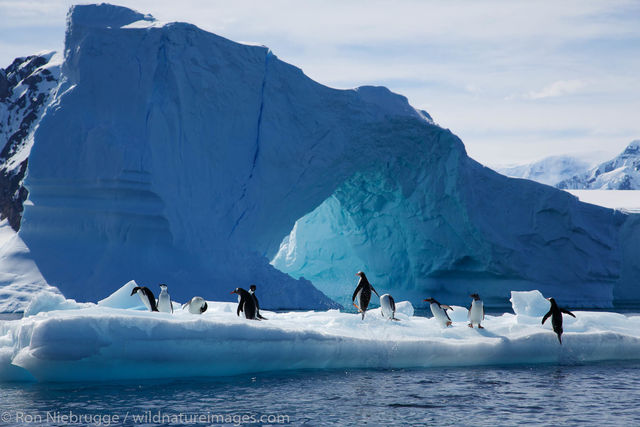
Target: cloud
559, 88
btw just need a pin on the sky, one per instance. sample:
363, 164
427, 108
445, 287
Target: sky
515, 80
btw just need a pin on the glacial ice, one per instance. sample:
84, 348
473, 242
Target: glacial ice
79, 342
172, 155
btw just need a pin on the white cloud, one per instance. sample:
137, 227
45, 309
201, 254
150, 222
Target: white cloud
559, 88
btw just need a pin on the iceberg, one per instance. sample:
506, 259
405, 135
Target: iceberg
168, 154
89, 342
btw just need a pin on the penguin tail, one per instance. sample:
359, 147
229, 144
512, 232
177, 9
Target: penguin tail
363, 315
560, 338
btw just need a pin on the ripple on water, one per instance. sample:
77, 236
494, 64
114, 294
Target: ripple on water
549, 394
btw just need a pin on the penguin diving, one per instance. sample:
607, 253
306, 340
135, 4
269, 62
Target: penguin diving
556, 317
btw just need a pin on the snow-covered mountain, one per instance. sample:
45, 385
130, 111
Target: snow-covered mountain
169, 154
550, 170
620, 173
25, 90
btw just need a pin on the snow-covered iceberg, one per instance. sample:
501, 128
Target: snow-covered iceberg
172, 155
91, 342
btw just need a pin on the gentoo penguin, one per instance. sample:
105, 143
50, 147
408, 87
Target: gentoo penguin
146, 296
197, 305
476, 311
362, 293
556, 317
387, 307
252, 291
164, 300
439, 311
247, 304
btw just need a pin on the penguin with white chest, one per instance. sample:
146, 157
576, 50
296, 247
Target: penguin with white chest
146, 296
197, 305
439, 311
362, 293
476, 311
388, 307
164, 300
246, 304
556, 317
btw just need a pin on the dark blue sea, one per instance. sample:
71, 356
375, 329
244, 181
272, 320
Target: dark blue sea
567, 395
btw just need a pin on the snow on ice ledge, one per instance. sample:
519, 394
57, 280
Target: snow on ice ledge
61, 340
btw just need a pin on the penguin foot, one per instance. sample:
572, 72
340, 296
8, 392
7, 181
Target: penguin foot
480, 327
449, 323
470, 325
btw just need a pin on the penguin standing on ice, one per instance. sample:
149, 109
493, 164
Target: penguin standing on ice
476, 311
146, 296
556, 317
439, 311
247, 304
362, 293
388, 307
197, 305
164, 300
252, 291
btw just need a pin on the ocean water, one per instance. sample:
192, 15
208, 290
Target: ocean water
599, 394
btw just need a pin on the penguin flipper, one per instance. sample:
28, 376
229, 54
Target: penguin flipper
546, 316
564, 310
358, 288
374, 291
446, 307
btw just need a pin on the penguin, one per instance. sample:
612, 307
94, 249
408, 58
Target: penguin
146, 296
247, 304
197, 305
388, 307
476, 311
439, 311
556, 317
252, 291
363, 293
164, 300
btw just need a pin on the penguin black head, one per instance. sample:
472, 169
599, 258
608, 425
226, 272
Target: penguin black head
253, 288
163, 286
136, 289
552, 301
475, 297
360, 273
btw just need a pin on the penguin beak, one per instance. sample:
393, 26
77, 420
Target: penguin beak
233, 292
